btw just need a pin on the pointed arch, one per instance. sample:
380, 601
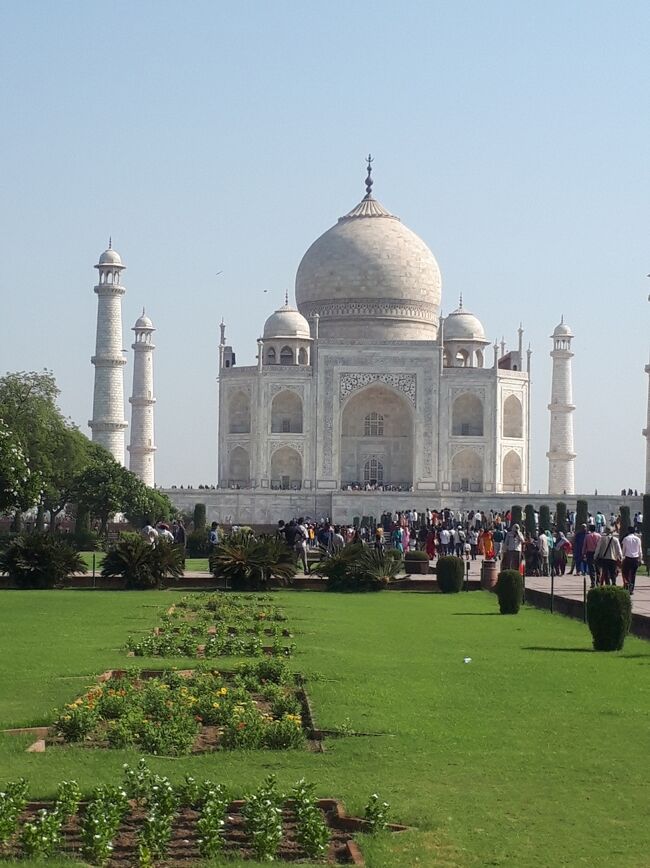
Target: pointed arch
286, 468
467, 416
239, 414
513, 417
467, 471
286, 413
511, 472
239, 467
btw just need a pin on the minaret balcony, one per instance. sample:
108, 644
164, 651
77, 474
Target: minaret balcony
108, 361
105, 425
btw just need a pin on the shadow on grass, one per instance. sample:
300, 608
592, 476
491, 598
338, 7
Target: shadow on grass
480, 614
550, 648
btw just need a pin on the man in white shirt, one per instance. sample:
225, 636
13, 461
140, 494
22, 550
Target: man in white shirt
632, 549
445, 539
608, 556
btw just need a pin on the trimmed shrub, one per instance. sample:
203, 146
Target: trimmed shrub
510, 591
544, 518
450, 572
645, 528
560, 516
39, 560
198, 519
609, 615
516, 516
197, 544
416, 555
624, 521
529, 520
582, 513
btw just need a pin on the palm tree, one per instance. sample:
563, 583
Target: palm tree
247, 563
141, 564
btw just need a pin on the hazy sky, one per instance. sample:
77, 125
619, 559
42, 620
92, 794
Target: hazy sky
513, 137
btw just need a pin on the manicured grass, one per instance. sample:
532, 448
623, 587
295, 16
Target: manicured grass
534, 754
191, 564
197, 565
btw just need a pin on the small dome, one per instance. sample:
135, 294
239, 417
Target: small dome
562, 330
461, 325
110, 257
286, 322
143, 322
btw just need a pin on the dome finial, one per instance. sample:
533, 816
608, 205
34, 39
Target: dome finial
142, 310
110, 242
286, 298
369, 181
460, 302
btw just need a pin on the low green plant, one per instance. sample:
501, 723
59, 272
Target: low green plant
41, 838
246, 563
416, 555
450, 572
609, 616
100, 822
285, 734
211, 824
312, 832
13, 799
263, 820
142, 565
40, 560
510, 591
68, 796
376, 813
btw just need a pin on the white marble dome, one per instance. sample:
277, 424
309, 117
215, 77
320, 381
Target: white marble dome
286, 322
562, 330
461, 325
143, 322
369, 277
110, 257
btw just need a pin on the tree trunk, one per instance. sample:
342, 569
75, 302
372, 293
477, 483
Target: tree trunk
40, 518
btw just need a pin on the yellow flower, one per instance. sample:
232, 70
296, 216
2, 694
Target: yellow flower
223, 691
215, 705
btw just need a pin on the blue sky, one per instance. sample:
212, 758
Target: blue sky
512, 137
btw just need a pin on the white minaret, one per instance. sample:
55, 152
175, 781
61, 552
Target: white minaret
646, 434
141, 448
108, 421
560, 452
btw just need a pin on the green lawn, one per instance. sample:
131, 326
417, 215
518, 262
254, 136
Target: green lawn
534, 754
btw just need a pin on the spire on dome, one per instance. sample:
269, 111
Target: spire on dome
110, 242
460, 301
369, 181
286, 298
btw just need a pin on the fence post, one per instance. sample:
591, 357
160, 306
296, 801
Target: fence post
584, 598
94, 556
552, 590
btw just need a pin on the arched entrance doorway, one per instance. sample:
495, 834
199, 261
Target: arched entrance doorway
377, 439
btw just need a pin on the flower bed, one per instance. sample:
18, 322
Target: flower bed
217, 625
177, 712
146, 820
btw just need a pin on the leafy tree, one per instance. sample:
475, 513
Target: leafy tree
67, 455
28, 408
17, 484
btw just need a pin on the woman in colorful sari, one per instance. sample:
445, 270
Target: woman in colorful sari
488, 546
430, 544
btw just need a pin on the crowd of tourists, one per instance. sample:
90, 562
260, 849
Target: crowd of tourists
597, 549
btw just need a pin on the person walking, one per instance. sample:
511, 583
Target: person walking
512, 546
631, 550
542, 548
589, 546
608, 556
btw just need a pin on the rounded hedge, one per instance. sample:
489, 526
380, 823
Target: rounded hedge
609, 615
510, 591
450, 572
416, 555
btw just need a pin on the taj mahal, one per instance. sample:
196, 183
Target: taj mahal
362, 392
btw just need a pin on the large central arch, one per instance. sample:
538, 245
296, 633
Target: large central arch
377, 424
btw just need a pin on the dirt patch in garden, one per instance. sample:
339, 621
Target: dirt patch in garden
183, 848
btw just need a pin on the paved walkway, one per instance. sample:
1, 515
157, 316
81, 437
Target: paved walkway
572, 588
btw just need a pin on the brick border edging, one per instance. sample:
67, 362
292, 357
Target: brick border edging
573, 608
